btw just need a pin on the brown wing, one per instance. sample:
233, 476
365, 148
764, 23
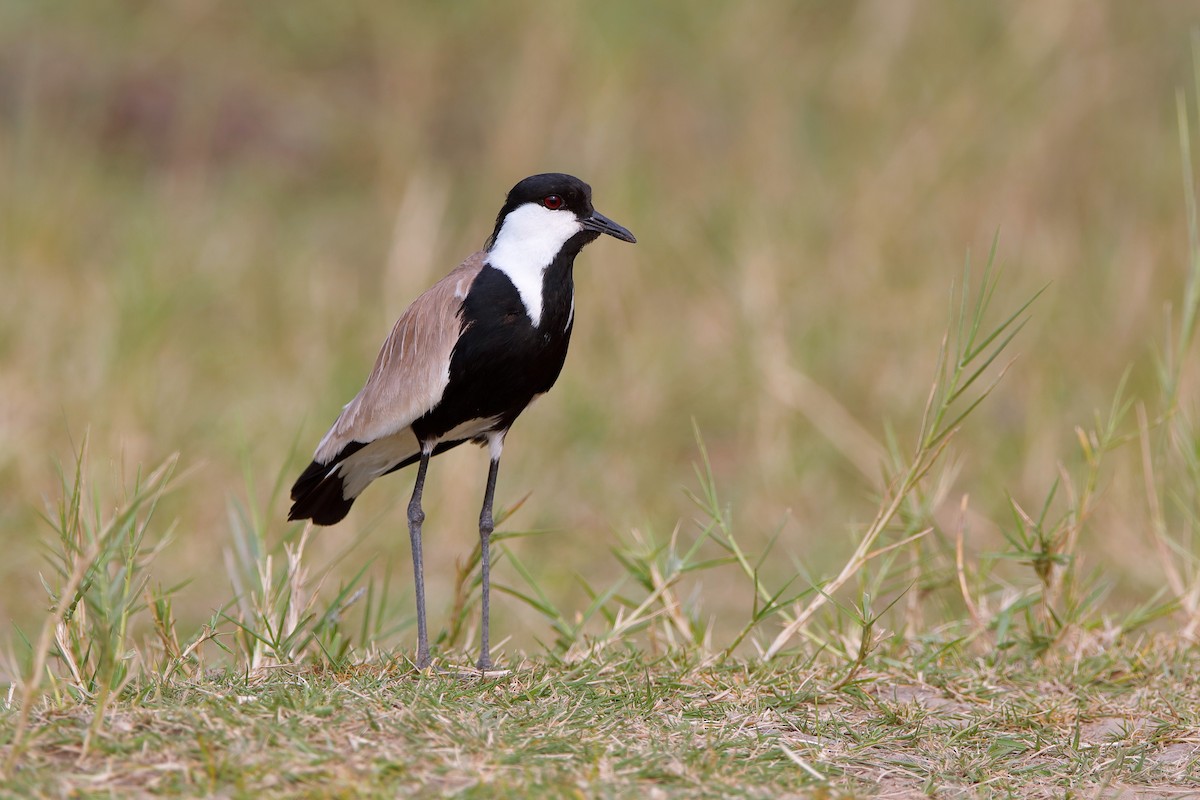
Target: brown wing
412, 369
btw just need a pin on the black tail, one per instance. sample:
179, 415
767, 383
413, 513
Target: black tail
318, 495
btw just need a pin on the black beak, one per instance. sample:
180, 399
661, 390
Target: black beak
601, 224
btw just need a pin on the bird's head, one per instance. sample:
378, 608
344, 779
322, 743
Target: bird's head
543, 213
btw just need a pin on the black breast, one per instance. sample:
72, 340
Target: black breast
501, 361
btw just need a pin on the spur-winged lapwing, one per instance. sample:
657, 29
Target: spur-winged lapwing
461, 364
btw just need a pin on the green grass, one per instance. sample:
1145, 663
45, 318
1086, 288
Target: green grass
814, 509
1042, 694
630, 725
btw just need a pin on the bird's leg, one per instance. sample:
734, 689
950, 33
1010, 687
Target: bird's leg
486, 526
415, 517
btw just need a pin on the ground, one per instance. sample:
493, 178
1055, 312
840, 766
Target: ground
1110, 724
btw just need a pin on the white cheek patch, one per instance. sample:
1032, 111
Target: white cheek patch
528, 241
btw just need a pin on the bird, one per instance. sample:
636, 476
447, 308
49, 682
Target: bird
460, 365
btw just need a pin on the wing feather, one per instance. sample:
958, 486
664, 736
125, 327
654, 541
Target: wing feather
412, 369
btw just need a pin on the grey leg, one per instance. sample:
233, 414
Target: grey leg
485, 561
415, 517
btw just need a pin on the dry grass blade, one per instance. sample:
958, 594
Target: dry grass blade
1159, 524
101, 563
857, 560
971, 359
49, 629
960, 565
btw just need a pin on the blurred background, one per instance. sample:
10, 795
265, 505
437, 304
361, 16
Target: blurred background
211, 213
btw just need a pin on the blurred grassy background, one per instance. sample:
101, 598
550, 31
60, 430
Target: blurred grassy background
211, 213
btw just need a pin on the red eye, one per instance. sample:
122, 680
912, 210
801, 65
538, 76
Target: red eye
552, 202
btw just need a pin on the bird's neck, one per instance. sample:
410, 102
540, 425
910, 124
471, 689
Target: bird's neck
558, 294
546, 284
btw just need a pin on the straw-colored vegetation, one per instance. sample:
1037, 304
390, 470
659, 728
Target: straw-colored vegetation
814, 507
